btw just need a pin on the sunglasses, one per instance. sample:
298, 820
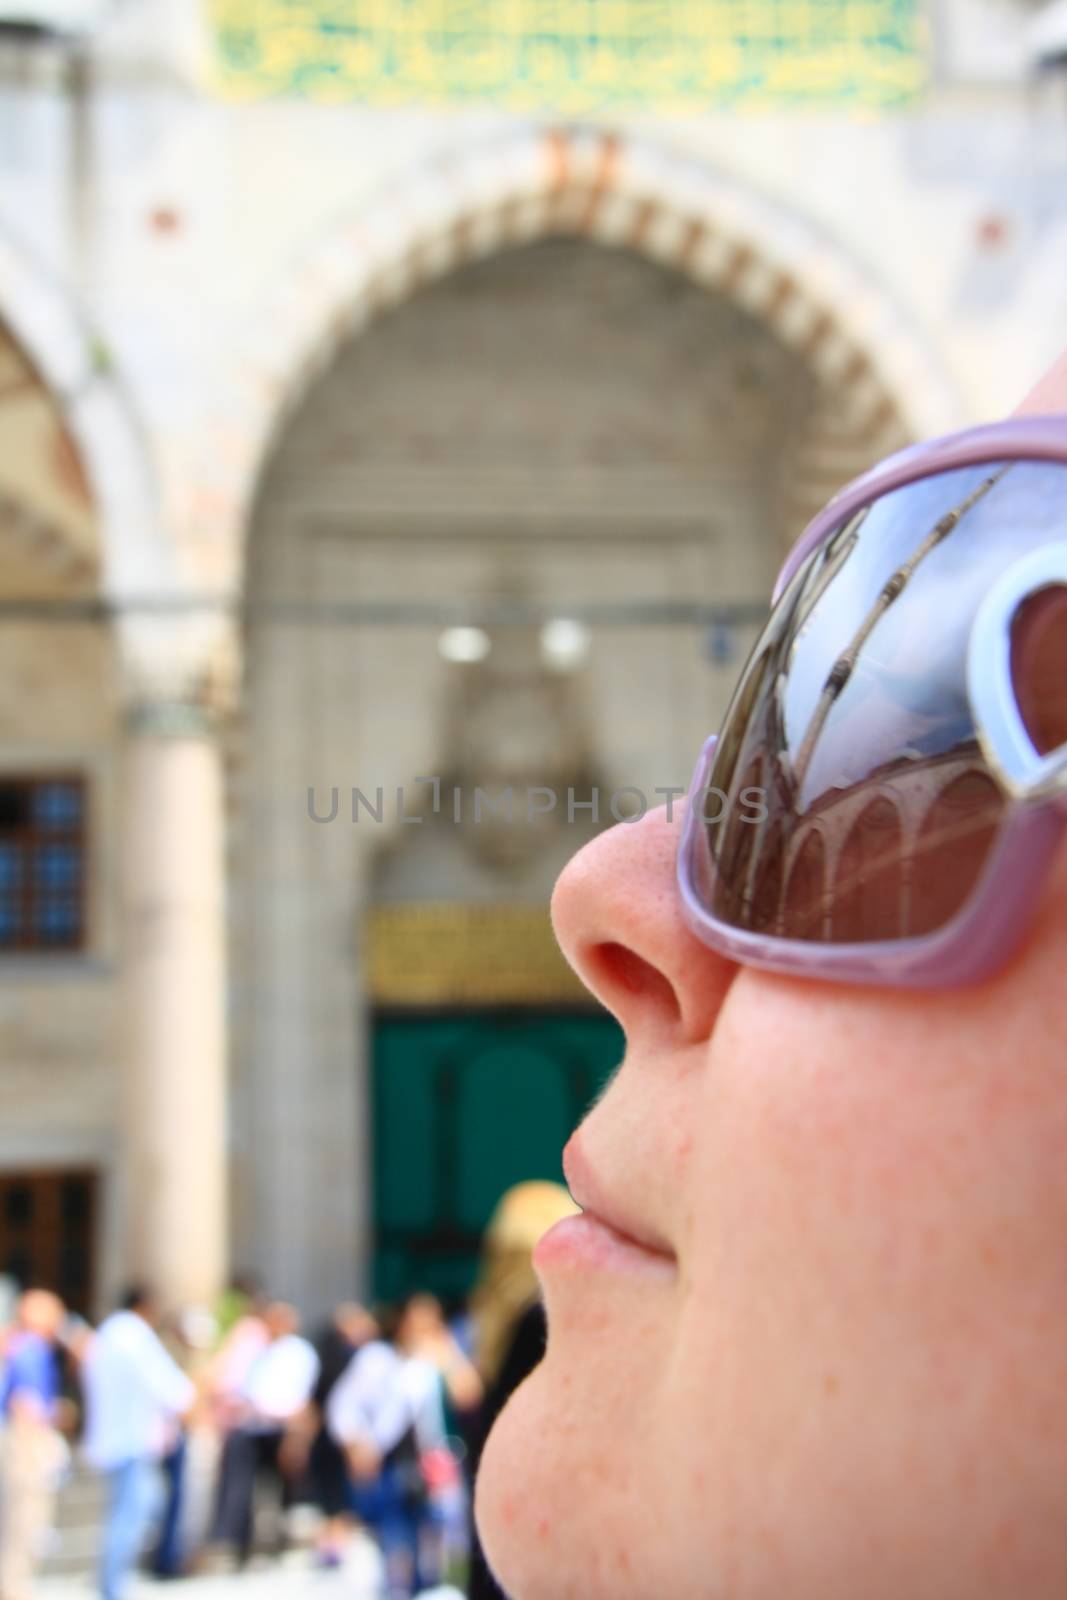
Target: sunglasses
889, 786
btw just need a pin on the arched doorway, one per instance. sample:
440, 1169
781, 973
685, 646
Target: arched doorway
552, 430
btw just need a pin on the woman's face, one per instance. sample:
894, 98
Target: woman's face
836, 1364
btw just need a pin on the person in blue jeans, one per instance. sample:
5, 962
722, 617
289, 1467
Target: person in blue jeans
382, 1419
31, 1448
169, 1556
135, 1395
395, 1508
133, 1502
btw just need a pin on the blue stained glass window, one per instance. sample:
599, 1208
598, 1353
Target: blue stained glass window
58, 866
10, 920
58, 921
57, 805
11, 861
42, 862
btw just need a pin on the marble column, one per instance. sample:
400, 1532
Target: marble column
174, 964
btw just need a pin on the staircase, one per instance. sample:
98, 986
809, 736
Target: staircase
74, 1546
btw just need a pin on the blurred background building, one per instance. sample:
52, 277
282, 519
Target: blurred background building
410, 390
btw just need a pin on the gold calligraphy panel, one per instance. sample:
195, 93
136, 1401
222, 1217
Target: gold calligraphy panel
448, 954
574, 56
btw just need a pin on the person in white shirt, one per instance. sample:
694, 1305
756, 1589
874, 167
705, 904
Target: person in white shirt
134, 1395
371, 1415
370, 1408
386, 1414
272, 1428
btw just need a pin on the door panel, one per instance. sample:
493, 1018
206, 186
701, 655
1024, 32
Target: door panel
47, 1229
465, 1105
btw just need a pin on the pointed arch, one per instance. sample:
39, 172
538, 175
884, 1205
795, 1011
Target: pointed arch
878, 383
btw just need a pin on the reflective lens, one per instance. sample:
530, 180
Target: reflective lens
870, 812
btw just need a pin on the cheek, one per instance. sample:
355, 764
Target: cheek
876, 1208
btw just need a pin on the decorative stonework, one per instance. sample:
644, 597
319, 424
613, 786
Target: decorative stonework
879, 378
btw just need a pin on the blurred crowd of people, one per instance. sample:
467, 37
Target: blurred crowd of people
212, 1428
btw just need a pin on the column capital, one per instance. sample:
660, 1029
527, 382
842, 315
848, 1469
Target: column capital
179, 675
173, 716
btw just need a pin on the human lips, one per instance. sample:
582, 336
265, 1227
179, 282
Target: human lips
607, 1234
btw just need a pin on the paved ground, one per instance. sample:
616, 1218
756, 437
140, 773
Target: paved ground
293, 1579
278, 1584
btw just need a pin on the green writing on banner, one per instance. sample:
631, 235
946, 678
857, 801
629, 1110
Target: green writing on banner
574, 56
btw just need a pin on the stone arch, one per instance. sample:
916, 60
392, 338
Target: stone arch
113, 453
48, 524
804, 883
878, 382
862, 878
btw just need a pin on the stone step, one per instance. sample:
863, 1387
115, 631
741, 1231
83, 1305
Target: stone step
74, 1543
73, 1546
292, 1578
82, 1497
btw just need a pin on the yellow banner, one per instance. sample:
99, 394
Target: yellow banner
574, 56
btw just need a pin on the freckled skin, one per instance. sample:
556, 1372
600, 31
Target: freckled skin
855, 1386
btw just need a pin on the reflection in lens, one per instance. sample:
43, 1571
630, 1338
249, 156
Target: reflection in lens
955, 838
740, 836
805, 893
880, 811
869, 890
767, 879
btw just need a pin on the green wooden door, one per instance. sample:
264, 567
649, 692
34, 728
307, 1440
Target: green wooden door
465, 1105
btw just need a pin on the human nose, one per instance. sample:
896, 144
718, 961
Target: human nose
618, 917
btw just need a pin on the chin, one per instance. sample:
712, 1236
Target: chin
514, 1523
555, 1501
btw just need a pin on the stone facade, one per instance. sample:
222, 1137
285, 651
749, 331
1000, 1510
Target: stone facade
452, 359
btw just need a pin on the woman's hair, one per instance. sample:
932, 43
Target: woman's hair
506, 1281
